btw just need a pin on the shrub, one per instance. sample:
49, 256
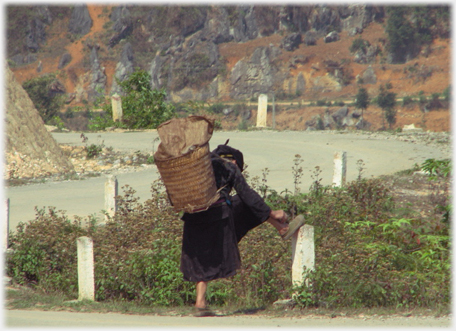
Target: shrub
407, 100
216, 108
359, 44
365, 256
48, 104
142, 106
447, 93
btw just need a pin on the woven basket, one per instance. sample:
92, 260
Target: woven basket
189, 180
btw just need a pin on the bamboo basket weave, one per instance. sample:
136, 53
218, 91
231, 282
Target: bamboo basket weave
189, 180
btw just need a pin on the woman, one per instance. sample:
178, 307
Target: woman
210, 240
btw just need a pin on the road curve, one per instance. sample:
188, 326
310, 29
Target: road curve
381, 154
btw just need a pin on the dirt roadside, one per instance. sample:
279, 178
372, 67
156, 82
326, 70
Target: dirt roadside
27, 318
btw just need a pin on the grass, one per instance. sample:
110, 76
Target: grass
24, 298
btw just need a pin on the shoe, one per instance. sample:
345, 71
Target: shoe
293, 226
204, 312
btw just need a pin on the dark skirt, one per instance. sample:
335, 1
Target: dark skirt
210, 241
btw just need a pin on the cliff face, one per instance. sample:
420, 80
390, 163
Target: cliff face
30, 149
220, 53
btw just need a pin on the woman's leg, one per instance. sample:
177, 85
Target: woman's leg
201, 288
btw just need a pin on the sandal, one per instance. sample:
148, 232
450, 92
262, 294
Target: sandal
293, 226
204, 312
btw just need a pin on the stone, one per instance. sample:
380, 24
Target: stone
310, 38
331, 37
65, 59
412, 128
80, 21
291, 42
369, 76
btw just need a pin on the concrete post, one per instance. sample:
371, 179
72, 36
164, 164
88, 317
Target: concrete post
302, 253
340, 169
273, 112
262, 110
111, 187
116, 103
6, 226
86, 281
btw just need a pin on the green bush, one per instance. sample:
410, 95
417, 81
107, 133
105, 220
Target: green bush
216, 108
47, 103
366, 258
358, 44
407, 100
447, 93
365, 255
142, 106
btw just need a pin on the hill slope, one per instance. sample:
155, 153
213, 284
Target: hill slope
427, 73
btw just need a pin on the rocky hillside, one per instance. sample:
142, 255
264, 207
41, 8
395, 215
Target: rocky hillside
231, 53
31, 151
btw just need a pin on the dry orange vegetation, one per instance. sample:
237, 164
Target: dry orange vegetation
438, 60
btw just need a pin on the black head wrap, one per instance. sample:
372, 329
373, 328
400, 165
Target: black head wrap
228, 152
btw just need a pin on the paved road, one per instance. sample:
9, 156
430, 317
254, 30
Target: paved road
26, 318
262, 149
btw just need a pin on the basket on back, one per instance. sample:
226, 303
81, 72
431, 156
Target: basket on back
183, 160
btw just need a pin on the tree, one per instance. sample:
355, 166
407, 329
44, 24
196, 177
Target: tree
142, 106
387, 101
401, 34
40, 92
362, 100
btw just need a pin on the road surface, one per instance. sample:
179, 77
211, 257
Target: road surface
29, 318
262, 149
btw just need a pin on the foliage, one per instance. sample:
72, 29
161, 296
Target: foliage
408, 28
359, 44
387, 101
216, 108
366, 258
142, 106
447, 94
437, 168
407, 100
48, 104
101, 121
400, 32
44, 252
365, 255
362, 99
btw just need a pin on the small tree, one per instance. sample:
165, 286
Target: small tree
387, 101
45, 101
362, 100
142, 106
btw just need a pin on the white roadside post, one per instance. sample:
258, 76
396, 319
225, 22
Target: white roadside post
340, 169
302, 253
86, 281
111, 188
262, 110
6, 226
117, 112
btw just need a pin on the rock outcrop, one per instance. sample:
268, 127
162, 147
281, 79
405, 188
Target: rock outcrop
31, 151
123, 68
80, 20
